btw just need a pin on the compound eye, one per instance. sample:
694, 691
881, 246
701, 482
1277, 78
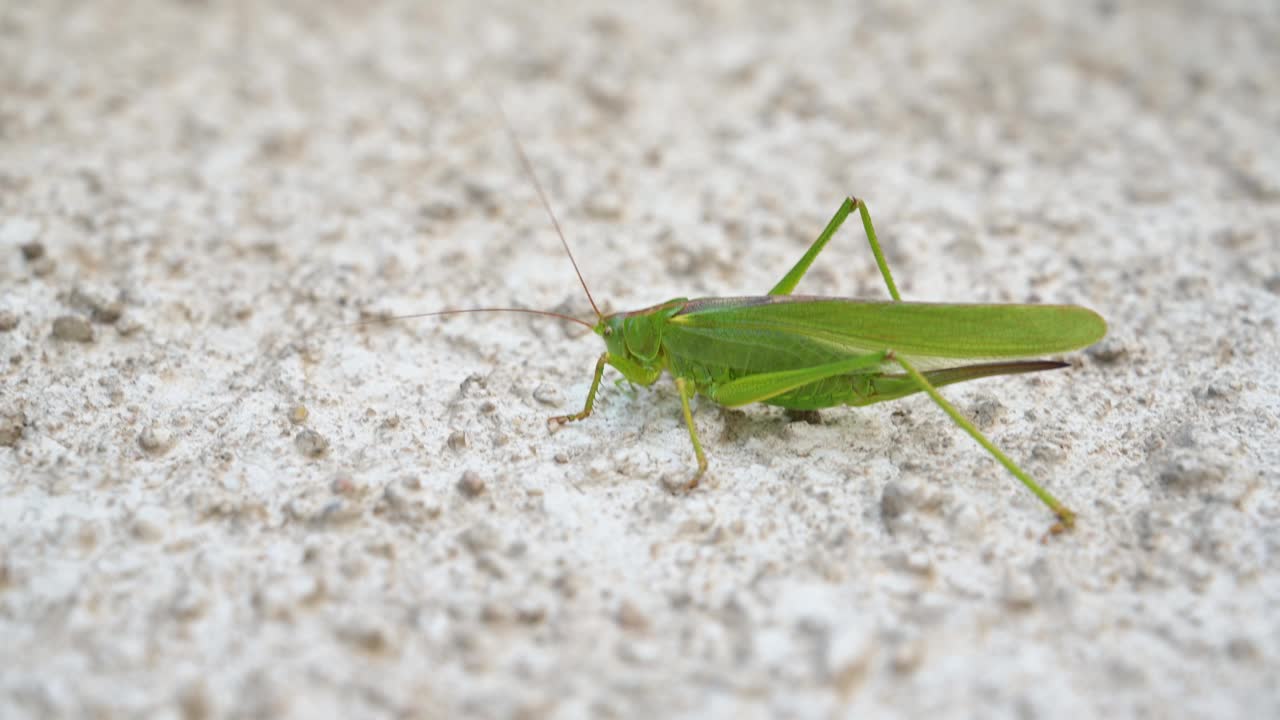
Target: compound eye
608, 331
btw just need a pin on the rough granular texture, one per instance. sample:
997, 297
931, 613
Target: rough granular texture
217, 190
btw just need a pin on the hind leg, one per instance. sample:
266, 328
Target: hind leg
792, 278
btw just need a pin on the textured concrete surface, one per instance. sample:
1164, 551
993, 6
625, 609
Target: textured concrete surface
215, 503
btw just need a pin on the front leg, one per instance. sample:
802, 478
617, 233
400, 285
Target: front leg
631, 372
591, 396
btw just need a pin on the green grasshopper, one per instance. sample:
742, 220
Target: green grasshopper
806, 352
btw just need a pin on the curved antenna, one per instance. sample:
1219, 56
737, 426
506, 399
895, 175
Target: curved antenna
526, 311
542, 195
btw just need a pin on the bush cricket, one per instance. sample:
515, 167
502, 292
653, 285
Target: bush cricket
805, 352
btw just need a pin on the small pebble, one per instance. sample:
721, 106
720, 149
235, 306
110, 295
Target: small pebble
987, 412
107, 313
196, 700
604, 205
638, 653
811, 417
919, 563
44, 266
458, 440
6, 573
530, 612
32, 251
73, 329
547, 394
95, 301
1019, 592
1240, 648
472, 380
492, 614
298, 414
81, 298
1189, 474
676, 483
149, 523
1109, 351
906, 658
128, 326
1048, 453
478, 538
155, 440
11, 428
896, 500
8, 321
366, 636
630, 617
471, 484
311, 443
438, 210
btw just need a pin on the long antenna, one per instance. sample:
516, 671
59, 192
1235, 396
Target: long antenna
526, 311
542, 195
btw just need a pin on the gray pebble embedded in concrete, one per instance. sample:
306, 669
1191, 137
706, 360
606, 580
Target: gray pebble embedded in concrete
8, 321
896, 500
907, 657
811, 417
155, 440
95, 302
72, 328
604, 205
127, 326
1110, 350
986, 413
149, 523
548, 394
43, 266
479, 538
107, 313
471, 484
11, 428
366, 636
1186, 474
630, 617
32, 251
311, 443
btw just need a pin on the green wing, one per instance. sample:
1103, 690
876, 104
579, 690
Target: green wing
771, 333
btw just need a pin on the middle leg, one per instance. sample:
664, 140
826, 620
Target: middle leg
687, 391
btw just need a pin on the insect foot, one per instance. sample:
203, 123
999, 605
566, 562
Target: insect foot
676, 486
557, 422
